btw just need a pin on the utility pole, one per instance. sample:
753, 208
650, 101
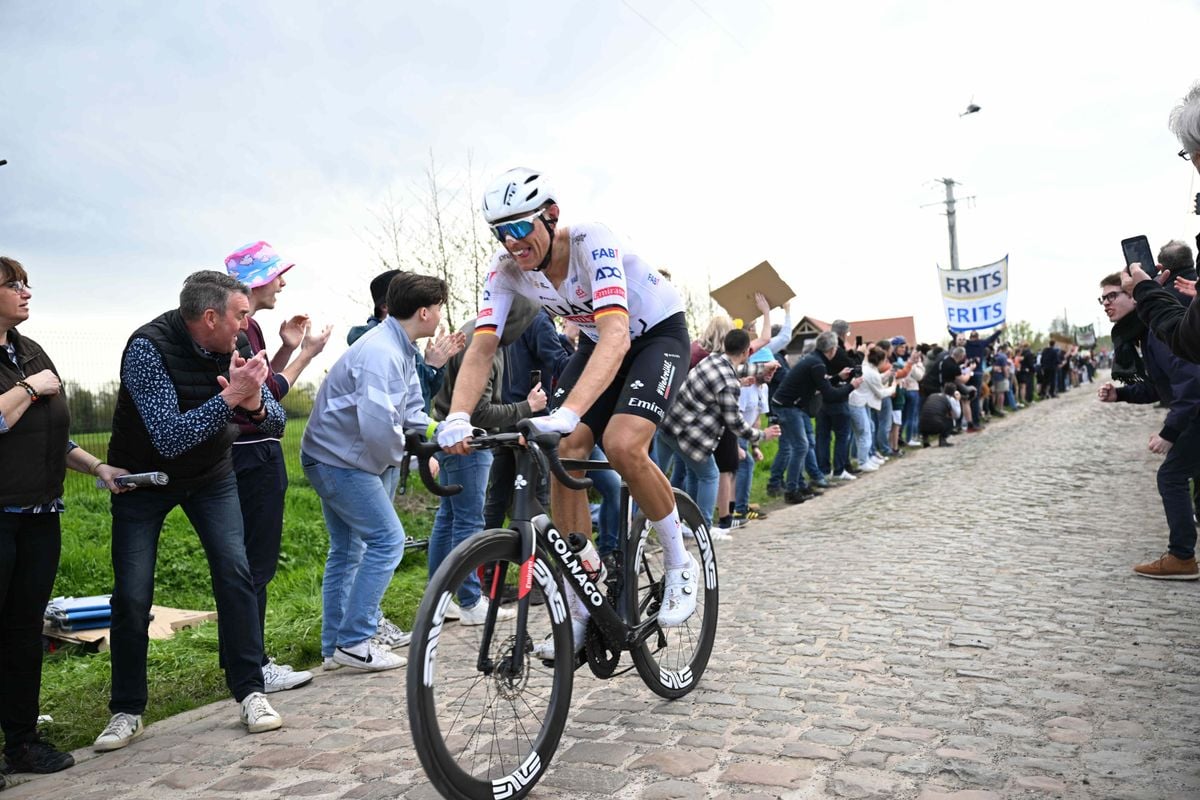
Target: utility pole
950, 223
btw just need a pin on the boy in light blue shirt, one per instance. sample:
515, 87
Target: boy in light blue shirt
350, 452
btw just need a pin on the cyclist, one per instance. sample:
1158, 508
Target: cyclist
631, 361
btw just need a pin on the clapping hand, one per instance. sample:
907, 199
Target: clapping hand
314, 343
246, 376
444, 347
292, 331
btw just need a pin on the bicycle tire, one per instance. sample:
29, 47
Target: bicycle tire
479, 736
671, 661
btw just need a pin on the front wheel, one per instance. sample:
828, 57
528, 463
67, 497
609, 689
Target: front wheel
671, 660
482, 729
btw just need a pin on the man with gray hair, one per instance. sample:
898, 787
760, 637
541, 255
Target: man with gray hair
805, 391
182, 382
833, 420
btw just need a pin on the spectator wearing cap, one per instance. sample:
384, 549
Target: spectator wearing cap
182, 386
430, 368
258, 461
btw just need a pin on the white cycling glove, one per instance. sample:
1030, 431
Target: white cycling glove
561, 420
454, 429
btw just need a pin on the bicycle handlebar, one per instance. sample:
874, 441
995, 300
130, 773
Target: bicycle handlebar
415, 444
548, 444
545, 443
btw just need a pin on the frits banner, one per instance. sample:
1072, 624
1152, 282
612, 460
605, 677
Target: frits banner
975, 299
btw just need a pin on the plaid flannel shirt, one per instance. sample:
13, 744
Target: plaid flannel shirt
707, 404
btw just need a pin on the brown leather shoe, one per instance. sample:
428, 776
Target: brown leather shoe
1169, 568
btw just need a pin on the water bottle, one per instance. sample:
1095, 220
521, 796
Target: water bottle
588, 557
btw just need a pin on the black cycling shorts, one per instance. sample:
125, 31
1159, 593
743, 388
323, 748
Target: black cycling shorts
649, 378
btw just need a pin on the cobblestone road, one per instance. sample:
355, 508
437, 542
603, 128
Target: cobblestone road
962, 624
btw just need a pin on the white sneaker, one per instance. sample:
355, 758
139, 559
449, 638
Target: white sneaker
912, 443
120, 731
389, 636
878, 461
868, 466
368, 657
679, 594
452, 611
329, 665
720, 534
280, 677
845, 476
477, 614
257, 714
545, 648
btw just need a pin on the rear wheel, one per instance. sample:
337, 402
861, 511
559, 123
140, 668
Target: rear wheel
671, 660
482, 729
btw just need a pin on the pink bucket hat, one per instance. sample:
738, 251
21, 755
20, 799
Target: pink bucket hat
256, 264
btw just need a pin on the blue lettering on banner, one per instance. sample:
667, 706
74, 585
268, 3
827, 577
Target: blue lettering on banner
608, 272
979, 284
604, 252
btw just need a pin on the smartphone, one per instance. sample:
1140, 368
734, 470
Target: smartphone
1137, 251
858, 341
535, 377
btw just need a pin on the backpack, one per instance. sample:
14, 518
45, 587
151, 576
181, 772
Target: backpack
932, 382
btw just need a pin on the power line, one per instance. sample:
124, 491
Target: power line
648, 22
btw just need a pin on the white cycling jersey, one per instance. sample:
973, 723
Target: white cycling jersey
603, 277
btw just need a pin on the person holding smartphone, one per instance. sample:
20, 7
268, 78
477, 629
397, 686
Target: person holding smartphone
1151, 373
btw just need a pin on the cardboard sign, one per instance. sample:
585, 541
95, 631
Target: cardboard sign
737, 296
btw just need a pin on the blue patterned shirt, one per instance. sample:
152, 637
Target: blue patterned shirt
173, 432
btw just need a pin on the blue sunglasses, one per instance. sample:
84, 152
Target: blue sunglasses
517, 228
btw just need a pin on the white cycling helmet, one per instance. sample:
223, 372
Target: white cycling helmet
519, 191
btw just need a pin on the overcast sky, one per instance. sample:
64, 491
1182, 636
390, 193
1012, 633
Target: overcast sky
147, 140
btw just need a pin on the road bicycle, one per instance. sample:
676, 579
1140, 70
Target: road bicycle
486, 713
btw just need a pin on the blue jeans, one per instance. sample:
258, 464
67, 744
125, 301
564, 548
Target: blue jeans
137, 520
460, 516
911, 415
860, 420
608, 485
775, 479
743, 479
810, 460
833, 420
366, 543
704, 472
883, 426
793, 429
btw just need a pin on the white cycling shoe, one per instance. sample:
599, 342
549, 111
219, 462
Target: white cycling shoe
545, 648
679, 594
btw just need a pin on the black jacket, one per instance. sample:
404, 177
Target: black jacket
1175, 324
33, 454
808, 380
1173, 380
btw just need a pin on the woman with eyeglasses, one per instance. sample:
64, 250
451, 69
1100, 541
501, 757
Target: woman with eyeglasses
35, 452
